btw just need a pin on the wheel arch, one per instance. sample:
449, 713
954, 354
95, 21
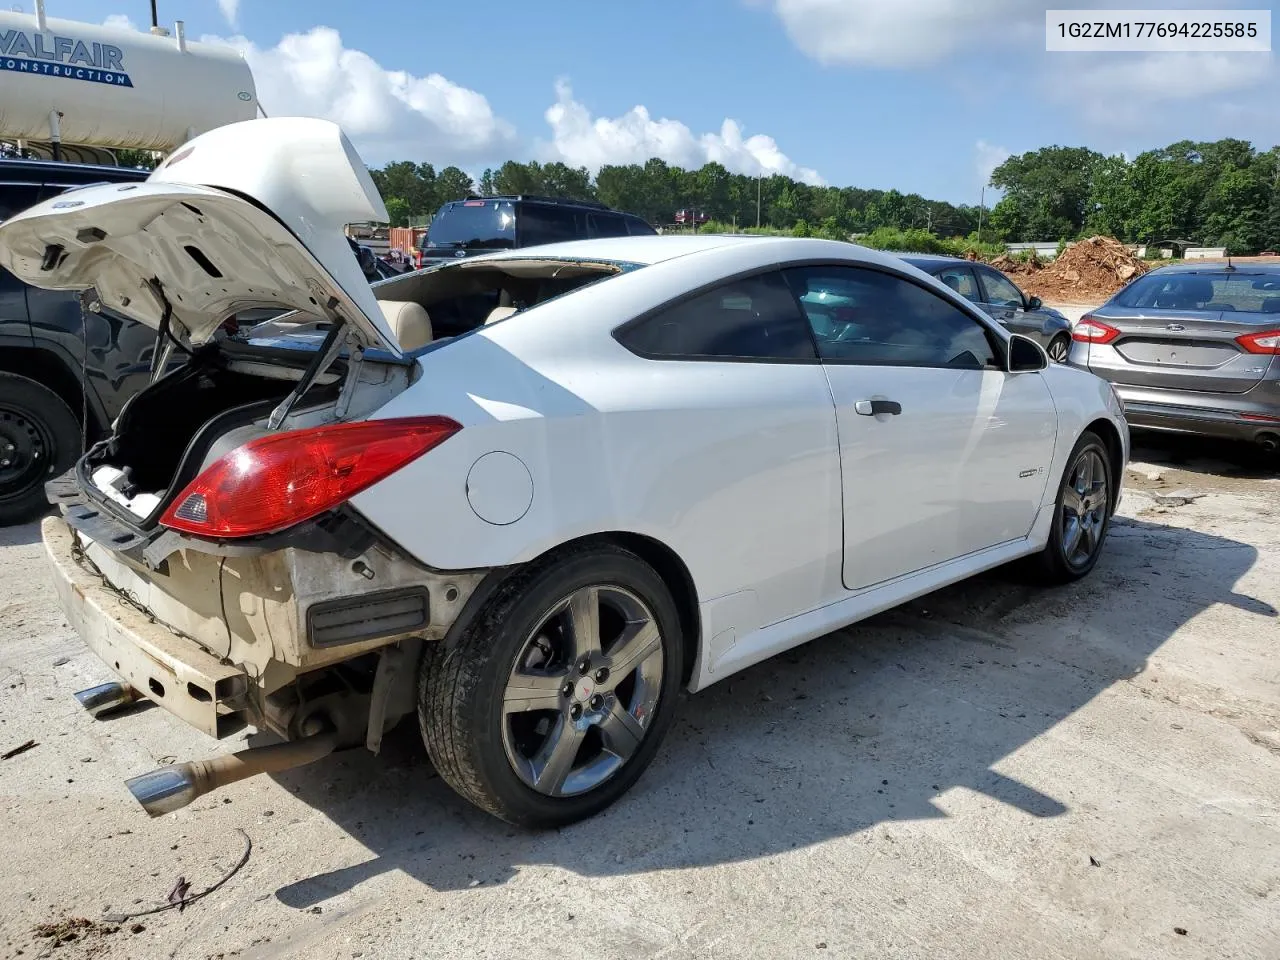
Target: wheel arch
51, 372
1110, 436
668, 564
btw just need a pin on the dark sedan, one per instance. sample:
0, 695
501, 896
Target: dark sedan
1000, 298
1192, 349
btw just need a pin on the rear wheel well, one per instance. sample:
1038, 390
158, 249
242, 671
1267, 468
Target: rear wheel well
1106, 430
669, 567
46, 369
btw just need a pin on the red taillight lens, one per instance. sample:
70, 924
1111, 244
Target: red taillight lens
1266, 342
1089, 330
276, 481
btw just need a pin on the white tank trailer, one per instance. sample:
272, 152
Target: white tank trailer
64, 82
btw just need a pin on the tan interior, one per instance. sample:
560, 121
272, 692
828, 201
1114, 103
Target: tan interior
409, 322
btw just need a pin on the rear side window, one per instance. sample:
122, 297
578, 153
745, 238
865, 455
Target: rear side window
878, 319
754, 318
638, 228
606, 225
961, 280
16, 197
547, 224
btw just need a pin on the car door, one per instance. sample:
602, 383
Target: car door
942, 452
742, 430
1004, 302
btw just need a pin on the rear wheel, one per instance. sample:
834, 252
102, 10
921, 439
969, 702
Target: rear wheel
1059, 347
556, 695
39, 439
1082, 513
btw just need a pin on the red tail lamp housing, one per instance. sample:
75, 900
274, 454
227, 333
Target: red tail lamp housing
1268, 341
1089, 330
274, 482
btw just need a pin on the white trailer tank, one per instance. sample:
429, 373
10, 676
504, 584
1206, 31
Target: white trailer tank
81, 83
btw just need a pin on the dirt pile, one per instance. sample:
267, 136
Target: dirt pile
1087, 272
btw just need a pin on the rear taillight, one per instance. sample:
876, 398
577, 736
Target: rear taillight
1266, 342
276, 481
1089, 330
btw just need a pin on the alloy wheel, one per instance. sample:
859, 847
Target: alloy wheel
583, 689
1084, 508
1058, 349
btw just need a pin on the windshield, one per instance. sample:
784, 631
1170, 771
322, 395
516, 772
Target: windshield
474, 225
1234, 292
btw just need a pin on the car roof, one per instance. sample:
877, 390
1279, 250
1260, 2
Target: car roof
56, 171
642, 250
1215, 267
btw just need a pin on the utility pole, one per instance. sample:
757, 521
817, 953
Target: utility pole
759, 180
982, 204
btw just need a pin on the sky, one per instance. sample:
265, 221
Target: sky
927, 96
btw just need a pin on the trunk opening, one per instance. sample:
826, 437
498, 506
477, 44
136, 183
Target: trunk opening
169, 431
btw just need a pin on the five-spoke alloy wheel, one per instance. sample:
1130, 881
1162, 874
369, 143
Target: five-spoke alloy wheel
1086, 497
554, 695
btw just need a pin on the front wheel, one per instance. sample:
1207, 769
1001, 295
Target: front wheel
1081, 515
556, 695
1058, 348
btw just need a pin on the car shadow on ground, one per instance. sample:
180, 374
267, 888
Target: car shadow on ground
1207, 456
862, 727
20, 535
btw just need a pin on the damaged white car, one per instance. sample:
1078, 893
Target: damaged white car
527, 497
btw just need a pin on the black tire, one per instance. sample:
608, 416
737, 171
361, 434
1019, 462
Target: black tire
39, 440
1061, 343
1057, 564
462, 686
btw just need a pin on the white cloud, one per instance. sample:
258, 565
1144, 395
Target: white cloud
119, 21
903, 33
988, 156
1115, 90
390, 114
578, 139
230, 11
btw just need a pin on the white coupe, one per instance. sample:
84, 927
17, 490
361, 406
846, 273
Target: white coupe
526, 496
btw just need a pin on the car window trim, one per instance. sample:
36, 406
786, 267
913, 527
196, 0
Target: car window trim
621, 330
1000, 344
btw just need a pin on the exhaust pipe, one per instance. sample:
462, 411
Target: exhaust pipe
1269, 442
106, 697
172, 788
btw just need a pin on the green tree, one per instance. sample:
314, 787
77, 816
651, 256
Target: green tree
1046, 193
452, 184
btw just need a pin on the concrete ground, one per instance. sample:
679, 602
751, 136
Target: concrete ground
992, 772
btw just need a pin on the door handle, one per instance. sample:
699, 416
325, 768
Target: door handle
869, 408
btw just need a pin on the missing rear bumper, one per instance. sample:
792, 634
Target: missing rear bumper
171, 671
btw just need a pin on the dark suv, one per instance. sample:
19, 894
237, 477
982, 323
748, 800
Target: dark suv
49, 349
464, 228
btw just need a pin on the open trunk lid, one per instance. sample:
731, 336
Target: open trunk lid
246, 216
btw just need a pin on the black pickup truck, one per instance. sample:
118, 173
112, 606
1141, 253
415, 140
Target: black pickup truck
64, 373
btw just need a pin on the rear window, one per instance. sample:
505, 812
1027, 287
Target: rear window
474, 225
1230, 292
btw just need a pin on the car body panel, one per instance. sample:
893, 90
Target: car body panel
746, 490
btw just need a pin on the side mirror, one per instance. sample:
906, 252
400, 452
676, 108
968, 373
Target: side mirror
1034, 303
1025, 355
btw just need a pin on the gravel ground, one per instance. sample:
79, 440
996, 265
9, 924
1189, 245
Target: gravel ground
991, 772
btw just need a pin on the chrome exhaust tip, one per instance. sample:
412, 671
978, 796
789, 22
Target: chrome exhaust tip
164, 790
106, 697
167, 789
